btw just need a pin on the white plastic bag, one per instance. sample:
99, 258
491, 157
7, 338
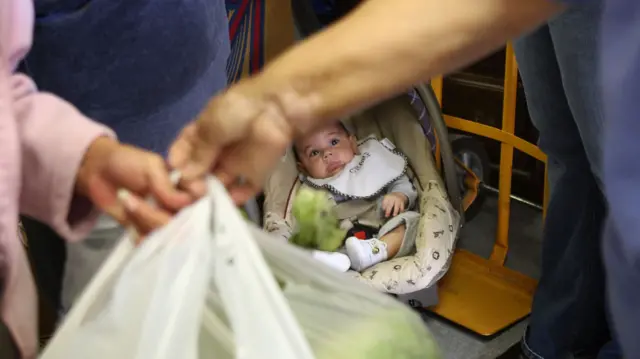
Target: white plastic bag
147, 302
211, 285
340, 317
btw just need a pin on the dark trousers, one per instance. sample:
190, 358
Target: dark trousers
558, 65
47, 255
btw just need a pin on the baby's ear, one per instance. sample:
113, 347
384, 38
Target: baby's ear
353, 142
301, 168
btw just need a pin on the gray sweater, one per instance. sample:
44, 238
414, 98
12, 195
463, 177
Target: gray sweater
402, 185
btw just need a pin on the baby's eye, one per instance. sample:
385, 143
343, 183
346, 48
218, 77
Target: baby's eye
314, 153
335, 141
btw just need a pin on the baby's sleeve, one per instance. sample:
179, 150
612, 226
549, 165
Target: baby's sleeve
403, 185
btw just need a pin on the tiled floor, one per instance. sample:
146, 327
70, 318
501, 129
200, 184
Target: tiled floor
524, 256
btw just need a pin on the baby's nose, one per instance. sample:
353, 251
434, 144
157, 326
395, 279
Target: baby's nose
327, 153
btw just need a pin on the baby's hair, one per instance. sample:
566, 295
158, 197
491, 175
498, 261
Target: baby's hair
295, 151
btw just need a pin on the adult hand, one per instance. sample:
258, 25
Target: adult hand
108, 167
239, 137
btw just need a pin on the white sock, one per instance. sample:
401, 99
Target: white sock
336, 260
365, 253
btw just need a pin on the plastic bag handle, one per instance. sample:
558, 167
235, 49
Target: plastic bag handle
241, 275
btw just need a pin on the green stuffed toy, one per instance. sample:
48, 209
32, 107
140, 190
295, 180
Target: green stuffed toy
317, 226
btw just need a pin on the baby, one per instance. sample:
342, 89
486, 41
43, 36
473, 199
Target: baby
367, 181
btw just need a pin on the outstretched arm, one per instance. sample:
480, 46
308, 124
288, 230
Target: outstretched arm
380, 49
383, 47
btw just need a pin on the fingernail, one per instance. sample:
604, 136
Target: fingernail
128, 201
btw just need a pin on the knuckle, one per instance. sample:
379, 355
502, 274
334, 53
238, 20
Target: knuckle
158, 160
154, 160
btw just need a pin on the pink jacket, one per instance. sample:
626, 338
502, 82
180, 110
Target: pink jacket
42, 142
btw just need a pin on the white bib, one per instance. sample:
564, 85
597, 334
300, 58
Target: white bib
376, 166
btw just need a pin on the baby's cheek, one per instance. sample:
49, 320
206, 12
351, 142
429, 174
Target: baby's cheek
346, 155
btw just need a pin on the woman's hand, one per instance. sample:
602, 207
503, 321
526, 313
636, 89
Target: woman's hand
109, 167
239, 137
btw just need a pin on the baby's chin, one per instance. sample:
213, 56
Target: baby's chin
334, 171
326, 173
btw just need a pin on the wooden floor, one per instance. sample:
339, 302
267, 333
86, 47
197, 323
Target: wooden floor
524, 256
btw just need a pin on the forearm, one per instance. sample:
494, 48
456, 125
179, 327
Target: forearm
384, 47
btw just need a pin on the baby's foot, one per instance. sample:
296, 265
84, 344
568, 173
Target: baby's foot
336, 260
365, 253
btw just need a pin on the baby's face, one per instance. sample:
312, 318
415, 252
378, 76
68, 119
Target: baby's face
324, 153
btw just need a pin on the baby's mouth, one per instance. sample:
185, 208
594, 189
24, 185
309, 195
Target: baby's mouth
334, 167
